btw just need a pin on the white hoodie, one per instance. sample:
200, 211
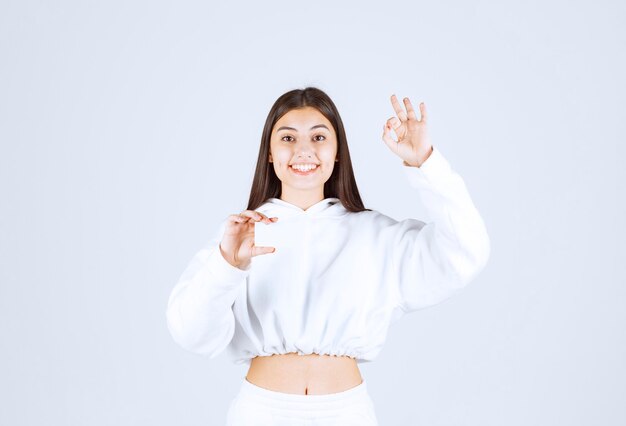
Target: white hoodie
337, 279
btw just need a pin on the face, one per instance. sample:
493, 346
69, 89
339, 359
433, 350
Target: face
303, 136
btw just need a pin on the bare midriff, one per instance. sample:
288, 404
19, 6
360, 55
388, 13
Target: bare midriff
304, 374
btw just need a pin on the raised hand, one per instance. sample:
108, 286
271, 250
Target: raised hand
237, 245
413, 144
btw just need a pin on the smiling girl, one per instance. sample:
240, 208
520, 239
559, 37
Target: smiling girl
302, 315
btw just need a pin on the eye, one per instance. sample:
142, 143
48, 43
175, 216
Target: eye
316, 136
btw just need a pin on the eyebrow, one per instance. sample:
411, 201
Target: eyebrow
291, 128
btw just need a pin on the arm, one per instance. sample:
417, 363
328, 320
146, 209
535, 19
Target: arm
435, 260
199, 310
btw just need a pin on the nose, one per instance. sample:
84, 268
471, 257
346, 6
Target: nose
304, 154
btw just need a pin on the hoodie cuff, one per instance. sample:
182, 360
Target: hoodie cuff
436, 169
224, 271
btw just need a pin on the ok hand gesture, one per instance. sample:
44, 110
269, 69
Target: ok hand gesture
413, 144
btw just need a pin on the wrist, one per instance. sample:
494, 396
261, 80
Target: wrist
226, 258
420, 158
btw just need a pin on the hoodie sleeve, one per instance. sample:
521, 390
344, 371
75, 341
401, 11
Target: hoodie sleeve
434, 260
199, 310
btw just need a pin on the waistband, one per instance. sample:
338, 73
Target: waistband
300, 401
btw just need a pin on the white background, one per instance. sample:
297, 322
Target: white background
130, 129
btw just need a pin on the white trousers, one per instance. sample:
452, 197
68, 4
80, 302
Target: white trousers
254, 405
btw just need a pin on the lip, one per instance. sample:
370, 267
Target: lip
299, 173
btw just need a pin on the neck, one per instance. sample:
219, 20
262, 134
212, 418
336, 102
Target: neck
302, 199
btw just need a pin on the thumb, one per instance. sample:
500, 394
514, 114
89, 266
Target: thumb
256, 251
392, 144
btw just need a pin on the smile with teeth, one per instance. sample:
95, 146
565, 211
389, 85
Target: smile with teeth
303, 169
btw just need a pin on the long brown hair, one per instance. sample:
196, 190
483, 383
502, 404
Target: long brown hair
341, 183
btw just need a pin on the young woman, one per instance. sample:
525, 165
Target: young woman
305, 310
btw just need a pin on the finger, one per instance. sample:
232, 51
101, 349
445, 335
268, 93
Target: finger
238, 218
394, 123
409, 109
398, 108
398, 127
263, 217
387, 128
267, 220
423, 112
260, 217
254, 215
258, 250
392, 144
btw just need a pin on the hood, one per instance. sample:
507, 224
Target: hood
282, 209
